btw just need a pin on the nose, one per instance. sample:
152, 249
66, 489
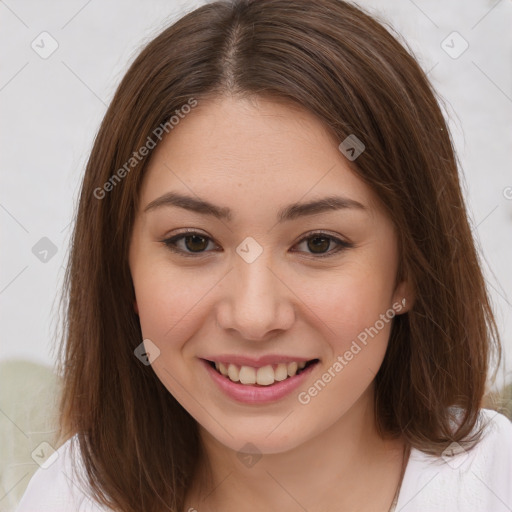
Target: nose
256, 303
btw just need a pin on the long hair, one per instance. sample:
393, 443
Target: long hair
140, 447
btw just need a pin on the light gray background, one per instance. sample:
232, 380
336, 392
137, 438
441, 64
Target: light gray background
51, 109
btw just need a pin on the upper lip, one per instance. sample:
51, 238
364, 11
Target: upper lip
256, 362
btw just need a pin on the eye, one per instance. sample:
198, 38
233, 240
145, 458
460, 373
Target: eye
319, 243
193, 243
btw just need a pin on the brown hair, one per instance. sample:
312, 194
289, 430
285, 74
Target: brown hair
139, 445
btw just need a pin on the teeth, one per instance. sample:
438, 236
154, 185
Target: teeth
222, 368
233, 372
281, 372
292, 369
247, 375
264, 376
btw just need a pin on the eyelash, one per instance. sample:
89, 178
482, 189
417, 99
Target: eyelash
170, 243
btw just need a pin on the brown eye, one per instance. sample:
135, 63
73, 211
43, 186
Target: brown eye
319, 244
196, 243
188, 244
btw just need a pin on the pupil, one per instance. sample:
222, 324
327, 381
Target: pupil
195, 238
324, 244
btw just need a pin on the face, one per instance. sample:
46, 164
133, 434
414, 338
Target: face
258, 284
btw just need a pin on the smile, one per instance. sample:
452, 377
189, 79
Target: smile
263, 376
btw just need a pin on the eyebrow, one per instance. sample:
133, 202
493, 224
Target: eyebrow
290, 212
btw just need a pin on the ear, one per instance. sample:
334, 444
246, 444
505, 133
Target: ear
404, 296
135, 307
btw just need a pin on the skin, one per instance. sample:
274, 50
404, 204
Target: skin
256, 156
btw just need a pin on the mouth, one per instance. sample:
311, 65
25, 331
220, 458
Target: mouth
264, 376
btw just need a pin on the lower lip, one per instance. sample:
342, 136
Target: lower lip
248, 394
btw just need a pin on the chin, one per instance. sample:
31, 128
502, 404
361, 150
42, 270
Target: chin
259, 440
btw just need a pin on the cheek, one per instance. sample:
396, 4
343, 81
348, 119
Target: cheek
164, 299
350, 303
354, 317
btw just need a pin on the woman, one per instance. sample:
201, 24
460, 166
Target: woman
275, 300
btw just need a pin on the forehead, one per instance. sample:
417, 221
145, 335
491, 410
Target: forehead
251, 152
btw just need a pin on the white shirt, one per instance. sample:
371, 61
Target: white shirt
476, 481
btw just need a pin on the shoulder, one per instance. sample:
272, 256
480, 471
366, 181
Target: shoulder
469, 481
58, 485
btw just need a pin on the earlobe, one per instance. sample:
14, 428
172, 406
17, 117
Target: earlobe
404, 296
